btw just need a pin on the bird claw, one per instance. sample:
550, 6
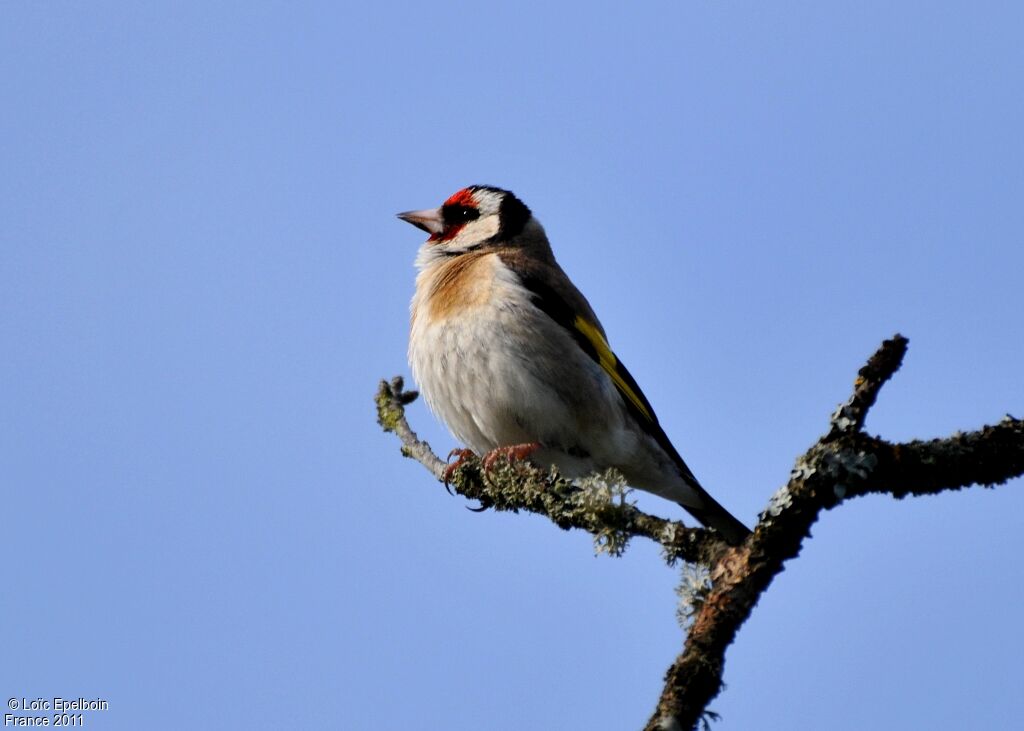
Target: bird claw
449, 471
511, 453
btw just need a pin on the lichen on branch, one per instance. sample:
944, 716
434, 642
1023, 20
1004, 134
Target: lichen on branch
844, 463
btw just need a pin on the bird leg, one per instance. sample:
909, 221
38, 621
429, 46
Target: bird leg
449, 471
511, 453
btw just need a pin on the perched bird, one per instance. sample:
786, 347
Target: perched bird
511, 357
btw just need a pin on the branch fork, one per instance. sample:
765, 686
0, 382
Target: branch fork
844, 463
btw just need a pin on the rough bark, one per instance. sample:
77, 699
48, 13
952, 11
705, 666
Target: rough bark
842, 464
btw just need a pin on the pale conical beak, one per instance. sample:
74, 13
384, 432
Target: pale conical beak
429, 220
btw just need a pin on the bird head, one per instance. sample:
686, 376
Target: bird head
470, 219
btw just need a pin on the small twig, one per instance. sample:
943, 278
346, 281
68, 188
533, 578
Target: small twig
849, 417
391, 402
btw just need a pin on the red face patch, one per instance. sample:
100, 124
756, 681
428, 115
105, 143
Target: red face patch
449, 233
463, 198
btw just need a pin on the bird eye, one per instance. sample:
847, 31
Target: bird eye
455, 213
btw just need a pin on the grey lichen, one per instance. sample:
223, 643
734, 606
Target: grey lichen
669, 723
841, 420
694, 585
596, 501
668, 537
802, 470
781, 500
597, 493
846, 462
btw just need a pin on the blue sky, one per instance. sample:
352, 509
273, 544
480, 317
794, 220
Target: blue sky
202, 281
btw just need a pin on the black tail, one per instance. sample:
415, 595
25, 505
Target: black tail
713, 515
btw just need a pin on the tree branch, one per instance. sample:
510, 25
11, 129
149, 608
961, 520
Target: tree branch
990, 456
600, 508
391, 402
881, 366
844, 463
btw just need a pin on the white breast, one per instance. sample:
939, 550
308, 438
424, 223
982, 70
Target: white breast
498, 371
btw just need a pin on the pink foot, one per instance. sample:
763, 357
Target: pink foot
511, 453
449, 471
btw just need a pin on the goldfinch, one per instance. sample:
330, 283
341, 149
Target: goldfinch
510, 355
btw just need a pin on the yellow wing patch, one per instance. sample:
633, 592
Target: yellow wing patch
609, 363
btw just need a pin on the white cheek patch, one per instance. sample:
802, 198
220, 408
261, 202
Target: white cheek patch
476, 231
471, 234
